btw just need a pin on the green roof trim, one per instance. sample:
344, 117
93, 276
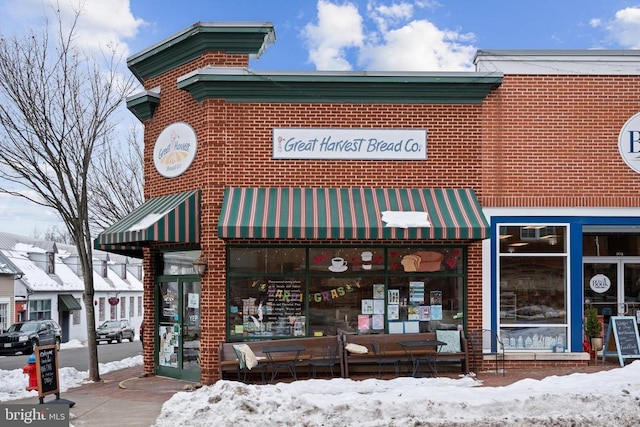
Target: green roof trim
250, 38
144, 104
242, 85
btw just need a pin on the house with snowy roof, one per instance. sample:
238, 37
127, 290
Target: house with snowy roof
40, 279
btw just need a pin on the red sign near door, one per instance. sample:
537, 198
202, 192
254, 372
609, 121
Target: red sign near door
114, 301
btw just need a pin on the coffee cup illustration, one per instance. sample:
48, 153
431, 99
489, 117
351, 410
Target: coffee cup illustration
366, 260
338, 262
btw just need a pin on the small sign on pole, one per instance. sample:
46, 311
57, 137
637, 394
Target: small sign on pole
625, 332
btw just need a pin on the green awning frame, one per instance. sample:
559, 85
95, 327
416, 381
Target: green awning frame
66, 302
349, 213
173, 218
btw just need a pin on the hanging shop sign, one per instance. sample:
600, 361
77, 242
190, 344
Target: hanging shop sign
629, 142
350, 144
114, 301
175, 149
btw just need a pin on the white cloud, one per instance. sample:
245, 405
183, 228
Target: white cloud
338, 28
625, 27
397, 43
102, 24
383, 16
420, 46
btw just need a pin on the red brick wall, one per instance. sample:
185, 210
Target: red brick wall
553, 141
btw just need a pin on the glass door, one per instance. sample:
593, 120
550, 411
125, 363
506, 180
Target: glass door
612, 285
178, 329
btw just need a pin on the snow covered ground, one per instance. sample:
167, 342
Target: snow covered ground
608, 398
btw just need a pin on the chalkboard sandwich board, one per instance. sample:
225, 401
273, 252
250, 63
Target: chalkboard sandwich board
47, 370
625, 332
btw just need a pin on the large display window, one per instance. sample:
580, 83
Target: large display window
533, 287
279, 292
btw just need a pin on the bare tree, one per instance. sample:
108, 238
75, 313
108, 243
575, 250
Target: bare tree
54, 234
56, 110
116, 181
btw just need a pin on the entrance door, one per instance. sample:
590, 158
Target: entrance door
612, 285
178, 352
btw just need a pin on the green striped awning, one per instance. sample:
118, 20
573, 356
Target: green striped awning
349, 213
172, 218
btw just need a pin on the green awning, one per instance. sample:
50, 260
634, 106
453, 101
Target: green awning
66, 302
350, 213
172, 218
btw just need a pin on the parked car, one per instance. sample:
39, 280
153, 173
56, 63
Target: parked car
26, 336
115, 330
141, 332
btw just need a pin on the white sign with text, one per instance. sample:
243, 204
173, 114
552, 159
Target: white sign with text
350, 144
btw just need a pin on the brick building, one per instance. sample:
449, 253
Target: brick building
323, 203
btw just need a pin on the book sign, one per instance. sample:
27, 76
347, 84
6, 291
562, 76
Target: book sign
599, 283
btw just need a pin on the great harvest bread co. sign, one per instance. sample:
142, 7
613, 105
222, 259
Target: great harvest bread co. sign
175, 149
350, 144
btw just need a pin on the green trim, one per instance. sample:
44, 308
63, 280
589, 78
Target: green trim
143, 105
241, 85
66, 302
249, 38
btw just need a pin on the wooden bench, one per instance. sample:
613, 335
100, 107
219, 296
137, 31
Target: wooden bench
390, 348
315, 349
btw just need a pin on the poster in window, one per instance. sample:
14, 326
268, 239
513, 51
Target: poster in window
193, 300
436, 312
413, 312
416, 292
394, 296
378, 306
377, 322
435, 297
393, 311
367, 306
425, 313
364, 322
378, 291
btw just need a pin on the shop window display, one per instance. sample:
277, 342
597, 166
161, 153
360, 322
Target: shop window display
297, 291
533, 287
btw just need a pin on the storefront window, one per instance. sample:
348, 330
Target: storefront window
298, 291
533, 287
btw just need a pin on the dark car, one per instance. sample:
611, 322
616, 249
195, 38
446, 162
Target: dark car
115, 330
141, 332
26, 336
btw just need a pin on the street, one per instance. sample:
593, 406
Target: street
78, 358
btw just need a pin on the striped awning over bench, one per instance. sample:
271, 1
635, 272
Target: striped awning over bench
171, 218
348, 213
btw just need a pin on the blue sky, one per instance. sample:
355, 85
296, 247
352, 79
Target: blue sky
339, 35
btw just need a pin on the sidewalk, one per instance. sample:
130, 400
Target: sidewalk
124, 398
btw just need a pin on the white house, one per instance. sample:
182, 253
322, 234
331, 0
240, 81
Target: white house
48, 284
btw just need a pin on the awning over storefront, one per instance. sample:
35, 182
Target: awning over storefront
66, 302
349, 213
171, 218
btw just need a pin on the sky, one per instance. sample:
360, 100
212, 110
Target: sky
606, 398
336, 35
